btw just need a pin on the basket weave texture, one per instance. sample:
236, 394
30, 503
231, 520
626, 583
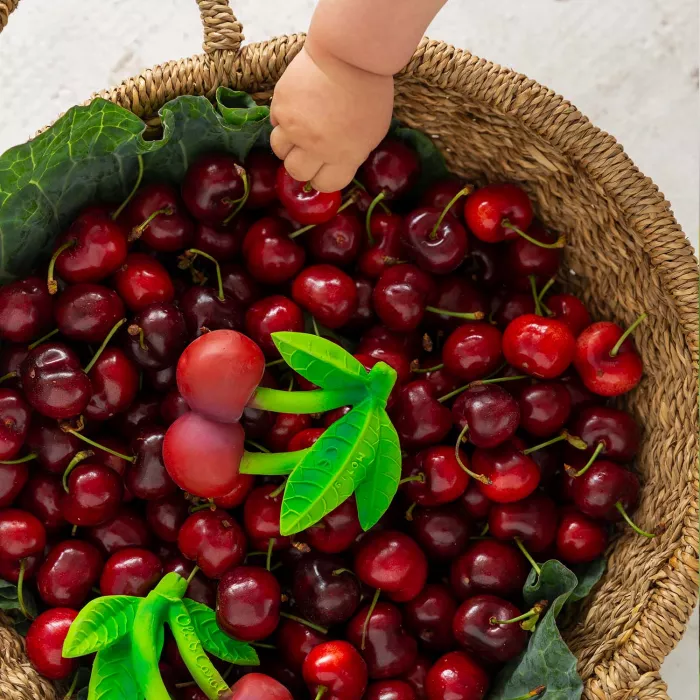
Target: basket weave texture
626, 254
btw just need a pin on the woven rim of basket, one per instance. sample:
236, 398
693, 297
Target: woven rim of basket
256, 68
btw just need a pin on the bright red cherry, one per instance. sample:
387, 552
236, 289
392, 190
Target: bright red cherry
533, 520
68, 573
385, 250
87, 312
488, 412
613, 432
237, 495
491, 210
271, 314
337, 667
271, 256
295, 640
391, 169
13, 477
327, 293
131, 571
21, 534
443, 479
305, 438
579, 538
544, 408
472, 351
254, 686
115, 383
25, 310
401, 295
94, 495
305, 204
142, 281
45, 639
571, 310
390, 690
261, 518
456, 676
512, 475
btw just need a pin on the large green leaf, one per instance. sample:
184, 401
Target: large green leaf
320, 361
217, 642
100, 624
329, 472
91, 154
376, 491
112, 676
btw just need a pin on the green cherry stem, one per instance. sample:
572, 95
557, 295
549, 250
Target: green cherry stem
7, 376
348, 202
462, 193
20, 460
528, 556
320, 401
469, 316
572, 472
193, 573
51, 283
117, 212
424, 370
626, 334
51, 334
631, 523
79, 457
240, 202
480, 382
417, 477
86, 439
360, 186
571, 439
536, 610
365, 624
368, 216
321, 692
137, 231
268, 555
274, 363
484, 530
559, 243
20, 590
192, 253
262, 645
102, 347
535, 295
534, 693
302, 621
71, 688
479, 477
279, 490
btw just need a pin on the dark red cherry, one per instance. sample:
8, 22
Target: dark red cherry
143, 412
456, 294
485, 263
214, 540
131, 571
87, 312
126, 529
115, 382
14, 423
157, 335
13, 477
94, 495
433, 371
305, 204
475, 503
440, 193
166, 516
338, 241
579, 538
390, 690
10, 568
436, 243
488, 208
385, 247
269, 315
332, 416
489, 566
400, 296
337, 667
201, 589
11, 359
304, 439
261, 167
335, 532
472, 351
295, 640
327, 293
221, 242
43, 496
364, 313
571, 310
54, 382
284, 428
533, 520
21, 534
237, 495
419, 418
25, 310
53, 447
416, 676
239, 285
45, 639
478, 627
147, 477
456, 676
379, 336
525, 258
68, 573
580, 396
261, 518
615, 430
388, 649
443, 479
213, 187
248, 603
173, 406
443, 532
490, 414
544, 408
391, 169
271, 256
203, 309
142, 281
429, 616
603, 485
507, 306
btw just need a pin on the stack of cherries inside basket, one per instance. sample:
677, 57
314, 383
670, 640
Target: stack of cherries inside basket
511, 455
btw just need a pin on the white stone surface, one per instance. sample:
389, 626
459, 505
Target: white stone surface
630, 65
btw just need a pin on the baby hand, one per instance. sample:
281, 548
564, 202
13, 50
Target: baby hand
327, 116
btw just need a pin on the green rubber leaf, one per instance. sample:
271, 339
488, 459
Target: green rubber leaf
320, 361
588, 575
113, 677
547, 660
329, 472
100, 624
217, 642
9, 603
376, 491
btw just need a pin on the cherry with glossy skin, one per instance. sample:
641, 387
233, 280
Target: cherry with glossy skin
222, 243
69, 572
533, 520
525, 258
239, 285
485, 263
213, 187
201, 589
489, 566
456, 676
571, 310
473, 351
142, 281
269, 315
457, 294
305, 438
476, 505
379, 336
603, 485
327, 293
295, 640
261, 166
336, 668
579, 538
305, 204
87, 312
166, 516
143, 412
508, 306
443, 532
385, 247
11, 359
486, 210
603, 370
393, 562
419, 418
13, 477
388, 649
512, 474
115, 383
148, 478
237, 495
441, 192
392, 169
25, 310
254, 686
21, 534
433, 371
125, 530
443, 479
54, 382
202, 456
476, 627
45, 639
390, 690
131, 571
401, 295
616, 430
53, 447
248, 603
214, 540
10, 569
94, 495
261, 518
417, 675
541, 347
43, 497
395, 358
488, 412
338, 241
335, 532
324, 591
544, 408
156, 336
272, 257
429, 616
14, 423
580, 396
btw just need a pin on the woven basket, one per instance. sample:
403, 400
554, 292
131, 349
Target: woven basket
626, 254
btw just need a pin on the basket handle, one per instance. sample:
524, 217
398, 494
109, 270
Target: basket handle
222, 31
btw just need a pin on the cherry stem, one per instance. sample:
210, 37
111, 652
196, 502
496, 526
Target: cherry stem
79, 457
626, 334
409, 512
42, 339
82, 437
484, 530
481, 382
193, 573
134, 189
208, 505
559, 243
338, 572
571, 439
350, 200
543, 291
575, 474
74, 682
20, 591
315, 325
470, 316
631, 523
275, 362
278, 490
138, 230
479, 477
270, 547
365, 624
102, 347
528, 556
536, 609
535, 693
423, 370
20, 460
7, 376
321, 692
535, 295
51, 282
135, 329
74, 530
418, 477
360, 186
257, 446
262, 645
462, 193
302, 621
368, 216
193, 252
241, 200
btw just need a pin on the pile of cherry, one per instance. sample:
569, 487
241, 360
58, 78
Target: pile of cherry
510, 452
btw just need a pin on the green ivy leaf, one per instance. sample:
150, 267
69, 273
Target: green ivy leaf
588, 575
9, 603
113, 676
320, 361
217, 642
100, 624
329, 472
376, 491
432, 162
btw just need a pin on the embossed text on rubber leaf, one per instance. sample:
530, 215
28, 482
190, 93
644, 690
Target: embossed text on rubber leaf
113, 676
376, 491
320, 361
329, 472
91, 155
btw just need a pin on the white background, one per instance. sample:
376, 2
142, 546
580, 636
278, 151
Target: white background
630, 65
